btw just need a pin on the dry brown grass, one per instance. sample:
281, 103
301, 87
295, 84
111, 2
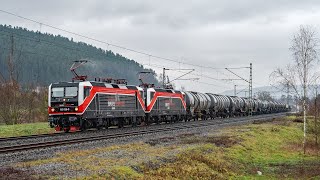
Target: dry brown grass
311, 148
301, 170
10, 173
219, 141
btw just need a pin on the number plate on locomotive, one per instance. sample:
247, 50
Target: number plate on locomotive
64, 109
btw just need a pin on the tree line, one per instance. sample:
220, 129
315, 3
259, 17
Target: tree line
43, 58
30, 61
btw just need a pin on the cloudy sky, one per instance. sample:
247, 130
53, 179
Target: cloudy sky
207, 33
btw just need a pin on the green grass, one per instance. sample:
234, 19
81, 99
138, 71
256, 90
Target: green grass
233, 153
25, 129
273, 149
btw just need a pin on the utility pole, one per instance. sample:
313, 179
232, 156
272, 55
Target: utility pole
164, 78
235, 89
250, 82
250, 88
287, 93
316, 117
246, 80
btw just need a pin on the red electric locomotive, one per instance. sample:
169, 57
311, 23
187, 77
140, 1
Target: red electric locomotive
165, 105
81, 105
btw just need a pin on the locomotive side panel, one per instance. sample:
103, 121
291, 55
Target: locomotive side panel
113, 105
165, 105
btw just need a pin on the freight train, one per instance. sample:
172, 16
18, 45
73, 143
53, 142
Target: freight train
74, 106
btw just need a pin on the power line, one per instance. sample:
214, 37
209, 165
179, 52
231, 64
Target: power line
34, 53
104, 42
199, 75
76, 49
152, 65
67, 58
158, 66
118, 46
43, 41
211, 84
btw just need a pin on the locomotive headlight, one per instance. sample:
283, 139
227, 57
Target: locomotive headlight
52, 109
76, 109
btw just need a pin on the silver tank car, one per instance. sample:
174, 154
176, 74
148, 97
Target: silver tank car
260, 106
222, 104
265, 106
213, 105
238, 106
192, 102
255, 106
271, 106
248, 104
198, 104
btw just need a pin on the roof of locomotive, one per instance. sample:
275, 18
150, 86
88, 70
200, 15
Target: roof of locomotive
64, 84
94, 83
166, 90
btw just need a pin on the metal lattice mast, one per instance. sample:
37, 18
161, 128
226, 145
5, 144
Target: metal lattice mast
246, 80
250, 86
164, 78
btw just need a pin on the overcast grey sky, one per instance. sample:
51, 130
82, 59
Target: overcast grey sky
205, 32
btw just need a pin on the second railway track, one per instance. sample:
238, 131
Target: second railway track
180, 126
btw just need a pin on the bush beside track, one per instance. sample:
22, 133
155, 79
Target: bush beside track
273, 148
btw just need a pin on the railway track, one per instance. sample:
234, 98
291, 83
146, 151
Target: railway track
30, 136
179, 126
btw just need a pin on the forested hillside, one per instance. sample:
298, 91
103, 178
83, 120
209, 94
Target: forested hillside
41, 58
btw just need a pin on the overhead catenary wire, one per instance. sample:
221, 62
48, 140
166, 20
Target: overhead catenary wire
67, 58
104, 42
195, 74
41, 24
76, 49
198, 75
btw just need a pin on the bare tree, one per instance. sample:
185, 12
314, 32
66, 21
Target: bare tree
302, 72
264, 95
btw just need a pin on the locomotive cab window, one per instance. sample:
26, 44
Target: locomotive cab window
71, 91
152, 95
86, 91
58, 92
142, 94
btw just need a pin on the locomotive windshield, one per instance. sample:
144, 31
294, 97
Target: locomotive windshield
57, 92
64, 92
71, 91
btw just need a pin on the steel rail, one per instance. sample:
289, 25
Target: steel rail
31, 146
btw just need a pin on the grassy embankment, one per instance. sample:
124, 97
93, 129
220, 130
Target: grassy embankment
274, 149
25, 129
